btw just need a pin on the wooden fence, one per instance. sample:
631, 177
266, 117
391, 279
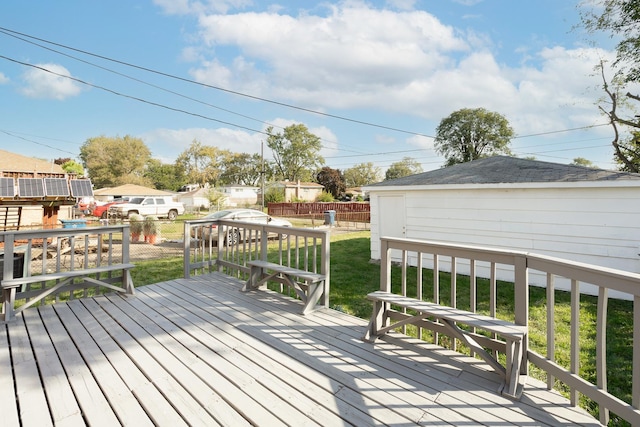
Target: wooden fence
351, 212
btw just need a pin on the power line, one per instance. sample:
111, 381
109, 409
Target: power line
257, 98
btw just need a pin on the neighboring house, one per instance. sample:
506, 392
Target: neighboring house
37, 193
240, 195
195, 198
571, 212
127, 191
233, 195
299, 191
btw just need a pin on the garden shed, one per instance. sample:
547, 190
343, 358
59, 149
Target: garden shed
571, 212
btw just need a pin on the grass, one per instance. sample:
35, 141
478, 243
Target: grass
353, 276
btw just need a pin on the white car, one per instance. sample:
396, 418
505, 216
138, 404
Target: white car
245, 215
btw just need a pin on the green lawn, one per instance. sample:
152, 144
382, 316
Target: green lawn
353, 276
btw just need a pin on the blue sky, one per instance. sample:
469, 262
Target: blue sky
402, 65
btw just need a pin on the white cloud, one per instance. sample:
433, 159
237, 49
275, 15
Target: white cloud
42, 84
3, 79
350, 55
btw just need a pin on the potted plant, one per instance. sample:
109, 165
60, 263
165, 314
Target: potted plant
135, 227
151, 228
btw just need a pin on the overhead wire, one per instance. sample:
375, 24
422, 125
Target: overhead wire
15, 34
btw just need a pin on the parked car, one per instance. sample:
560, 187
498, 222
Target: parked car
101, 211
245, 215
162, 207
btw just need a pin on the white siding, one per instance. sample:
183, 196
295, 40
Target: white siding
593, 225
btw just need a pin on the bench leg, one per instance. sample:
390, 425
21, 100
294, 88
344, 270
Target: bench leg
513, 379
254, 282
314, 292
8, 303
376, 322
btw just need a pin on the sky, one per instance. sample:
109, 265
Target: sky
373, 79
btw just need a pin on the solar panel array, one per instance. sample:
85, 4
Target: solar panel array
30, 187
7, 187
81, 188
57, 187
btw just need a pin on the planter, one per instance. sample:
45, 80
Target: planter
152, 239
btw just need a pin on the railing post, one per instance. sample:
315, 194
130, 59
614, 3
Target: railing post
385, 265
521, 303
325, 259
8, 295
186, 251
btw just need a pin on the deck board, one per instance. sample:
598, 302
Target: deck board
200, 352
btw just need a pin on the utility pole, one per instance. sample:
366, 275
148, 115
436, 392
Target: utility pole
262, 171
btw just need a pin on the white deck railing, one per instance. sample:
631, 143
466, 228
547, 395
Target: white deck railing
300, 248
432, 258
48, 265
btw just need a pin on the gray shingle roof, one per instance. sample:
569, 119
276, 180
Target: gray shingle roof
508, 170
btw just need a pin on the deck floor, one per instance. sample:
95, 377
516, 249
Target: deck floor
200, 352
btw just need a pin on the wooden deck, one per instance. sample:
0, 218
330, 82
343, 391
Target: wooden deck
200, 352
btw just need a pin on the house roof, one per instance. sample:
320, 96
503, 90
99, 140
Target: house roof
12, 162
130, 190
509, 170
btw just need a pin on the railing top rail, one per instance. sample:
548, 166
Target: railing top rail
611, 278
479, 253
296, 231
25, 234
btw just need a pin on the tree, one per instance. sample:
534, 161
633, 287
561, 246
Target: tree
71, 166
245, 169
405, 167
362, 174
581, 161
332, 180
619, 18
164, 176
471, 134
113, 161
295, 152
202, 164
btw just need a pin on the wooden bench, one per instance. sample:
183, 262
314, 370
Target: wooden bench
514, 335
10, 286
310, 287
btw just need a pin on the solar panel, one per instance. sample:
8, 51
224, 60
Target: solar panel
30, 187
56, 187
81, 188
7, 187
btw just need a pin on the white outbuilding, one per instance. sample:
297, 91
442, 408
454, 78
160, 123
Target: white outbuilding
566, 211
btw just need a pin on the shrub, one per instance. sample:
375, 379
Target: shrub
325, 197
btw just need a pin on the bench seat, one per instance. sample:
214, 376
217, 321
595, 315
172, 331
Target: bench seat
310, 287
10, 286
513, 335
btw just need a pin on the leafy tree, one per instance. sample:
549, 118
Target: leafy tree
296, 152
71, 166
61, 160
332, 180
620, 19
245, 169
113, 161
471, 134
405, 167
630, 151
581, 161
202, 164
362, 174
164, 176
620, 111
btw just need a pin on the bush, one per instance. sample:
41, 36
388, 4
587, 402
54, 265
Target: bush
325, 197
274, 195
